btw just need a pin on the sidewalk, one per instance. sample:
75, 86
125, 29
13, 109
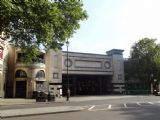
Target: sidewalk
16, 101
38, 111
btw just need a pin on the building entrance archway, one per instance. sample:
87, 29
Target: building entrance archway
21, 89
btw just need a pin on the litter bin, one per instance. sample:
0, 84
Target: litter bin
41, 97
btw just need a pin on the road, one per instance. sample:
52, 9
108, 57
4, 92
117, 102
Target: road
141, 113
88, 102
135, 108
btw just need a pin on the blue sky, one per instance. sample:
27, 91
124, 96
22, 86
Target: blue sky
116, 24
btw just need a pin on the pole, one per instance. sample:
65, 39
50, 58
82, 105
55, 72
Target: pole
68, 90
67, 70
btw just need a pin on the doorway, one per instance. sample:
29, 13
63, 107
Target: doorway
21, 89
87, 84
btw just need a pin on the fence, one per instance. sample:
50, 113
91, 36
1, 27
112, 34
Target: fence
138, 88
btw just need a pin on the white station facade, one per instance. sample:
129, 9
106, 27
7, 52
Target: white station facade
88, 74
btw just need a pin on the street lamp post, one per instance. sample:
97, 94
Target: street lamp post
151, 83
155, 86
68, 90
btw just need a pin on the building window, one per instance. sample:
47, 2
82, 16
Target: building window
40, 74
40, 86
38, 59
20, 57
55, 75
20, 74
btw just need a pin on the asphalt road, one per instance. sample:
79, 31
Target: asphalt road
136, 113
89, 103
133, 108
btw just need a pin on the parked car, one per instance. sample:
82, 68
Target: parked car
156, 93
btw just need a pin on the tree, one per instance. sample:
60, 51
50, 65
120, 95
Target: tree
33, 24
145, 56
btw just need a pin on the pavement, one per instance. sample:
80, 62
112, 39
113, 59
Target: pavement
38, 111
46, 110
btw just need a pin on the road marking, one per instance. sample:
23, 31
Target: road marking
109, 106
125, 105
115, 106
151, 103
91, 107
138, 103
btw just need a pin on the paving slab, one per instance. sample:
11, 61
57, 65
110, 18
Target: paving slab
38, 111
16, 101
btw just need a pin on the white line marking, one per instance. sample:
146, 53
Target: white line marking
91, 107
151, 103
125, 105
109, 106
138, 104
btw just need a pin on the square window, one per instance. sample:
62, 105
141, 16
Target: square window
55, 75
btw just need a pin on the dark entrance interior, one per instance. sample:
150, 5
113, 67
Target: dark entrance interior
20, 89
87, 84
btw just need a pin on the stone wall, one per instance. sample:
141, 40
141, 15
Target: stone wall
82, 63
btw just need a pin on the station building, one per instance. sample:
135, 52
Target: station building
88, 74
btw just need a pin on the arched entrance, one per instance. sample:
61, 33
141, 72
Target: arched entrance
40, 81
21, 89
21, 84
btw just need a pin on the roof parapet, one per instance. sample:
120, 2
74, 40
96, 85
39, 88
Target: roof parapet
115, 51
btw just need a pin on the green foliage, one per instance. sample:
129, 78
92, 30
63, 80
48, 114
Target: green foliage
145, 60
36, 23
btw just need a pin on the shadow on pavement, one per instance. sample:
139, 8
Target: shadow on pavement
141, 113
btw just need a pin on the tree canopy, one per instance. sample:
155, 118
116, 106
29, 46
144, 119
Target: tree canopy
144, 60
33, 24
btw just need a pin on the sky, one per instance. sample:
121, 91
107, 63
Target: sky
116, 24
